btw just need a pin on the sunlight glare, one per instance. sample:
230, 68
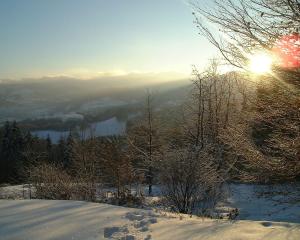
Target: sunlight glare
260, 63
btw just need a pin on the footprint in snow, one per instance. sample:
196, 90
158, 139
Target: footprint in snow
266, 224
109, 232
134, 231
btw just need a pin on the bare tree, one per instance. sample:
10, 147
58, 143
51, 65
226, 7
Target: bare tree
116, 168
85, 169
189, 179
51, 182
145, 142
193, 173
271, 125
212, 106
238, 28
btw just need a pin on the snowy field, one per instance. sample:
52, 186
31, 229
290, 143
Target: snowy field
57, 219
265, 202
265, 212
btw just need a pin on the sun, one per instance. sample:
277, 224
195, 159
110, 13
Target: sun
260, 63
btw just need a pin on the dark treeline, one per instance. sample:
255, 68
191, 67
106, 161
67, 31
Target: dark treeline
16, 144
12, 160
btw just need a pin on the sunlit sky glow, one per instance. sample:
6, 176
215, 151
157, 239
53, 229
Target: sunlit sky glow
87, 37
260, 63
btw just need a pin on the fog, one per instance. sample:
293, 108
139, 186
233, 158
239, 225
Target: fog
72, 99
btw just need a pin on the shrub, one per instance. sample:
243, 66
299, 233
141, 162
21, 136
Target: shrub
51, 182
190, 180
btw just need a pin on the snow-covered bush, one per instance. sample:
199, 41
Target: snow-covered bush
51, 182
190, 180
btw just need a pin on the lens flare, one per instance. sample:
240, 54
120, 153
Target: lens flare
287, 51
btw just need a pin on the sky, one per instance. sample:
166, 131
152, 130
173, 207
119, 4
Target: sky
90, 37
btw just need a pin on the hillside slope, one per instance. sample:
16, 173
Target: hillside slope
45, 219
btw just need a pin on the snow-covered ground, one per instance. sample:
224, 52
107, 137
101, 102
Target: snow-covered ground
57, 219
279, 202
265, 212
254, 202
15, 192
266, 202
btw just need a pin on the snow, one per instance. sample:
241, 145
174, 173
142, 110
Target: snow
15, 192
266, 202
254, 202
58, 219
280, 202
224, 230
265, 212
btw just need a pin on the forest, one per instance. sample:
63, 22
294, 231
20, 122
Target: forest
212, 152
241, 125
229, 129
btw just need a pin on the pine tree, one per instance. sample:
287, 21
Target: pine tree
28, 139
4, 172
69, 152
49, 149
60, 151
12, 147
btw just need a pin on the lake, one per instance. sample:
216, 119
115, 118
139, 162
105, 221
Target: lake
109, 127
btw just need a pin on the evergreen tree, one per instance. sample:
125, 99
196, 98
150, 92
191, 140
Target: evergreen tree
49, 149
69, 152
28, 139
60, 151
12, 160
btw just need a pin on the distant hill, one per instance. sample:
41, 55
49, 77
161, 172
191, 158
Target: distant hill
51, 96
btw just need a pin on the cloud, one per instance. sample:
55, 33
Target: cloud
87, 74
